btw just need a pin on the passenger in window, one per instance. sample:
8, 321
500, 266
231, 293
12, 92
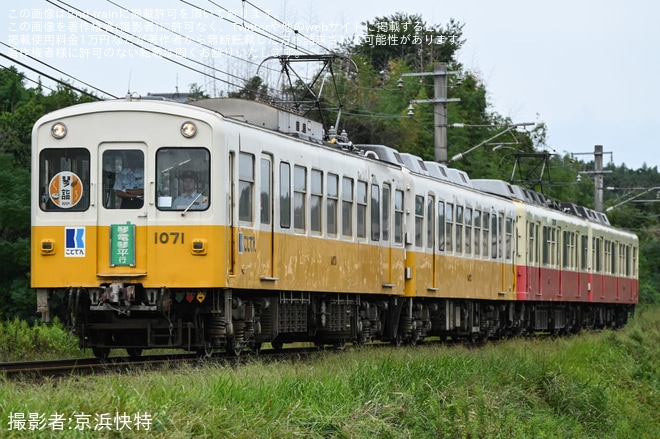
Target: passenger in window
129, 182
190, 198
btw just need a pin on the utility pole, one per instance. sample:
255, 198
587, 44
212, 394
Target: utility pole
598, 178
439, 102
598, 173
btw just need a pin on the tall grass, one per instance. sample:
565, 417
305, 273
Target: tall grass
22, 342
596, 385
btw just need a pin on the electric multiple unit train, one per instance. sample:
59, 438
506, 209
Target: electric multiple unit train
225, 224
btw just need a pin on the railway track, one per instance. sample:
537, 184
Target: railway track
87, 366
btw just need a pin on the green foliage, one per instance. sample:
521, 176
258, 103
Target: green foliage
20, 108
20, 341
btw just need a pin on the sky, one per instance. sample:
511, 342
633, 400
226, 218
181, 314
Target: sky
588, 70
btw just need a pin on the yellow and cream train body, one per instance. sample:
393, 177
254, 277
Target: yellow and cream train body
224, 223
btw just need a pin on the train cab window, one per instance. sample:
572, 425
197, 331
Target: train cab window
375, 213
64, 179
419, 219
316, 200
441, 226
347, 206
182, 178
361, 209
386, 212
123, 179
398, 216
299, 197
449, 228
332, 203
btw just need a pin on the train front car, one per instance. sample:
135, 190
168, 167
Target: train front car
122, 223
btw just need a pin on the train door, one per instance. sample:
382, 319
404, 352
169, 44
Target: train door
533, 269
122, 212
508, 245
266, 243
386, 262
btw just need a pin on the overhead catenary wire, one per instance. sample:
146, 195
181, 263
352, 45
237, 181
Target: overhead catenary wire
38, 83
86, 93
57, 70
147, 49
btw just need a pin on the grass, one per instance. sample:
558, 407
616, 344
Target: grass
597, 385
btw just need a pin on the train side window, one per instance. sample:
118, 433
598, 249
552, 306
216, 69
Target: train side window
316, 200
449, 228
245, 186
485, 229
419, 219
64, 179
584, 253
361, 209
299, 197
441, 226
459, 230
430, 222
398, 216
386, 212
468, 231
347, 206
375, 212
477, 232
265, 191
508, 238
182, 178
332, 203
285, 195
494, 236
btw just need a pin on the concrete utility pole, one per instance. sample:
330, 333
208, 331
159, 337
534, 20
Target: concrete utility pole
598, 173
598, 179
440, 107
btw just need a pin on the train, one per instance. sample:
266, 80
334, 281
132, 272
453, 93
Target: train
224, 224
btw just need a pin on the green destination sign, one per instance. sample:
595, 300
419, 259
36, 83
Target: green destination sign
122, 245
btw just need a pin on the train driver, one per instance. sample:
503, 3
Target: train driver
190, 198
129, 183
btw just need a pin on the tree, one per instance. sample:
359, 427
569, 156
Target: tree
252, 89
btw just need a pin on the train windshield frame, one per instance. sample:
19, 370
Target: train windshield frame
64, 175
183, 178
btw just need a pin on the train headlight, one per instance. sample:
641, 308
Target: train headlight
188, 130
58, 130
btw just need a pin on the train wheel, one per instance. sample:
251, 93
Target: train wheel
255, 347
101, 353
234, 349
277, 345
397, 340
206, 351
134, 353
340, 345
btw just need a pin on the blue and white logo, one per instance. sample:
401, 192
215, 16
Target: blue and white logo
74, 238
